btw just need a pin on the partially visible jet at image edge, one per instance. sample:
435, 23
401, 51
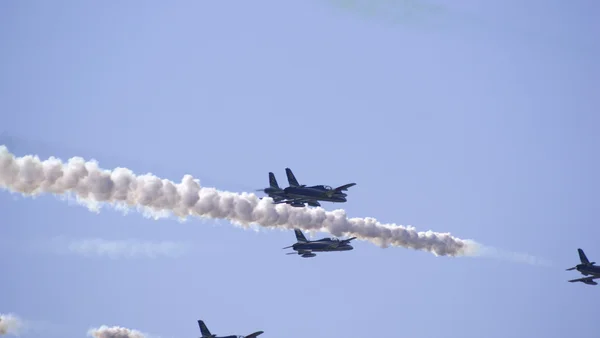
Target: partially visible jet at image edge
586, 268
206, 333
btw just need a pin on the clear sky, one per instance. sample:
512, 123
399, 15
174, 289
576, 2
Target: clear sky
478, 118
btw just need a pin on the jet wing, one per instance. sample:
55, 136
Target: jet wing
255, 334
584, 279
297, 200
311, 202
306, 253
287, 201
345, 187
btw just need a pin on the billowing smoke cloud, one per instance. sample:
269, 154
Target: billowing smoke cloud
130, 248
10, 324
115, 332
120, 187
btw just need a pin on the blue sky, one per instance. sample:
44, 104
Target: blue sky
478, 119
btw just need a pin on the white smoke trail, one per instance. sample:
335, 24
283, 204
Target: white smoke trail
130, 248
120, 187
10, 324
115, 332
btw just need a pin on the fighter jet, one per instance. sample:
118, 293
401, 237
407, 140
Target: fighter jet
207, 334
297, 195
586, 268
305, 248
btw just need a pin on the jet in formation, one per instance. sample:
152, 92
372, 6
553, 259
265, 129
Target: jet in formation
306, 248
586, 268
297, 195
206, 333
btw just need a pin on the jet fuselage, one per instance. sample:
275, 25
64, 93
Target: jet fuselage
315, 193
322, 246
588, 270
230, 336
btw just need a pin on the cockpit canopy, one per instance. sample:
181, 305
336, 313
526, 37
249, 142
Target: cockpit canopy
326, 187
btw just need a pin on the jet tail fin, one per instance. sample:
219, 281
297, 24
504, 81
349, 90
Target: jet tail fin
582, 257
273, 181
293, 182
255, 334
203, 329
300, 236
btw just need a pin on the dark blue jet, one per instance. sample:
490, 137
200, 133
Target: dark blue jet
586, 268
305, 248
207, 334
298, 194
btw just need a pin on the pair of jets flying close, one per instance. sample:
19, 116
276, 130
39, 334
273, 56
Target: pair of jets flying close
297, 195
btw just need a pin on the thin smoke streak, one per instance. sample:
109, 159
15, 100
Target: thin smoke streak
517, 257
129, 248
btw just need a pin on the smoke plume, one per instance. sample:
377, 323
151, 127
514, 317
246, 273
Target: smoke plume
121, 188
115, 332
10, 324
